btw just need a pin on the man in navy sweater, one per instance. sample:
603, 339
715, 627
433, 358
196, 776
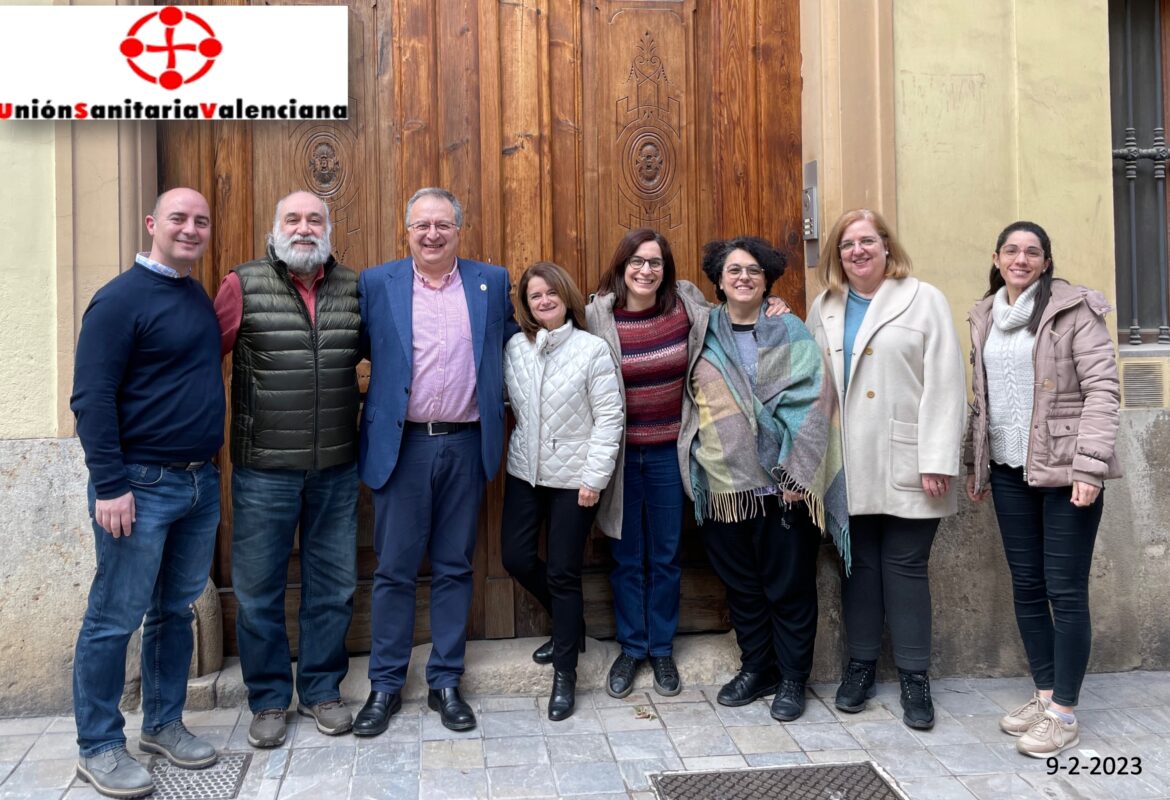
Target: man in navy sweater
148, 396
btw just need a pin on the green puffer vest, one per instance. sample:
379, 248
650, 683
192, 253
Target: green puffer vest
294, 386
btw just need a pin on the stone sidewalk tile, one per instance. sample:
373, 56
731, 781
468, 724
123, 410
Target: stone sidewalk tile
967, 759
579, 748
776, 759
689, 694
1004, 786
30, 776
375, 757
881, 734
316, 762
588, 777
711, 741
959, 697
498, 724
14, 748
402, 785
754, 739
633, 745
823, 736
706, 763
314, 787
526, 781
909, 763
936, 789
515, 751
452, 754
948, 730
1109, 723
838, 756
24, 726
452, 784
687, 715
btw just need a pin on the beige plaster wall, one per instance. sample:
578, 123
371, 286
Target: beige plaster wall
1002, 113
28, 281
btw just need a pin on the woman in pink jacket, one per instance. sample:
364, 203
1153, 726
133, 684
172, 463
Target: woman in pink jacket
1041, 441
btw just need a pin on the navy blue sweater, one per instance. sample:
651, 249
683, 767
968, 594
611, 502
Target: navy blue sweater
147, 386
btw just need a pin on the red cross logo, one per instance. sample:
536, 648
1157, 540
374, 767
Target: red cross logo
170, 17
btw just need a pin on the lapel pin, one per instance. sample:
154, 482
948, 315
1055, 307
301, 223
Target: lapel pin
483, 287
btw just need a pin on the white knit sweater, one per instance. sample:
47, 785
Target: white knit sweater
1011, 377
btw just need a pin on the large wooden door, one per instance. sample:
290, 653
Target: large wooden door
560, 125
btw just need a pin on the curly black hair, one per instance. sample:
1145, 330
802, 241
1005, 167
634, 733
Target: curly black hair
771, 260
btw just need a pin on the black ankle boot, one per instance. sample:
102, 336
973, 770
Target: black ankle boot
917, 708
563, 698
856, 685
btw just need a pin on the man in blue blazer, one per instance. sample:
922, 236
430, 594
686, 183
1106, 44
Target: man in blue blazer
432, 433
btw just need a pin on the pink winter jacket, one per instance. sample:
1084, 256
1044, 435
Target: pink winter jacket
1075, 407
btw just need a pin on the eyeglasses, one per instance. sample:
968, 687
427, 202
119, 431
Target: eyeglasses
1031, 253
736, 270
423, 227
866, 242
637, 262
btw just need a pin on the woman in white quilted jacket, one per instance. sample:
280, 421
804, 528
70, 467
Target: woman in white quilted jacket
562, 382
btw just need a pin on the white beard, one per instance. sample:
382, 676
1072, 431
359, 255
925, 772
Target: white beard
300, 262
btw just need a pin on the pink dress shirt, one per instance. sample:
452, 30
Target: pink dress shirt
443, 375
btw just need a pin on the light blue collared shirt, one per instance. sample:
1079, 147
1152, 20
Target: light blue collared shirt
162, 269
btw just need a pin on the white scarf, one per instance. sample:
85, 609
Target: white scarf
1011, 376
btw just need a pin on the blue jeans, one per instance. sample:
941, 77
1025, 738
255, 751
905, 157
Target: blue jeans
267, 507
157, 572
648, 573
1048, 543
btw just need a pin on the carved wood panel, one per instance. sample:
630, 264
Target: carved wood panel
560, 125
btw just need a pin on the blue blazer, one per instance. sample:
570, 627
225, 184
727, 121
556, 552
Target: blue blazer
385, 294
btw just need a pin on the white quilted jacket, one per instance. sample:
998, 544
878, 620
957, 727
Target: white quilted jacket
569, 415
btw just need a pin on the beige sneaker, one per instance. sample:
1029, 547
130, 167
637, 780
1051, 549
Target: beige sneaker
1017, 722
1048, 736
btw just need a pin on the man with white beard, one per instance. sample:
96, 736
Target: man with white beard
291, 322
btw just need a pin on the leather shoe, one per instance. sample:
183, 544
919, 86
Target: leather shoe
453, 711
375, 715
544, 653
563, 699
620, 682
788, 704
746, 687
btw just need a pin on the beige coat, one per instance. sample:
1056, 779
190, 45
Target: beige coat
1075, 406
599, 317
904, 410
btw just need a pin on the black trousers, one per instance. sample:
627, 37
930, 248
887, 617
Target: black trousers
1048, 543
556, 584
889, 584
769, 566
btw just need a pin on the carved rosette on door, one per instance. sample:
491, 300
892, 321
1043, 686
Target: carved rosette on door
324, 159
649, 144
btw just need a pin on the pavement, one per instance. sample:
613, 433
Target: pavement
607, 748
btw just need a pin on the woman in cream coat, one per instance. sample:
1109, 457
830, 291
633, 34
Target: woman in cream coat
891, 344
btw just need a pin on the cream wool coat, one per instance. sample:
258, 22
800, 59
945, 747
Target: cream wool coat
905, 410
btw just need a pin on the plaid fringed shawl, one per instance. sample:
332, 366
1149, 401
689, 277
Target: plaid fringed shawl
790, 426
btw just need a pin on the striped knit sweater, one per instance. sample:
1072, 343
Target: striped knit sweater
654, 367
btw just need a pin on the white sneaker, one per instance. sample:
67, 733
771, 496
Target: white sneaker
1019, 721
1049, 736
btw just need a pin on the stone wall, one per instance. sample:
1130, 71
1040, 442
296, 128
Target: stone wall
46, 563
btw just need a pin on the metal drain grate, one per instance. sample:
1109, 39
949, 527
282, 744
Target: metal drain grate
860, 781
220, 781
